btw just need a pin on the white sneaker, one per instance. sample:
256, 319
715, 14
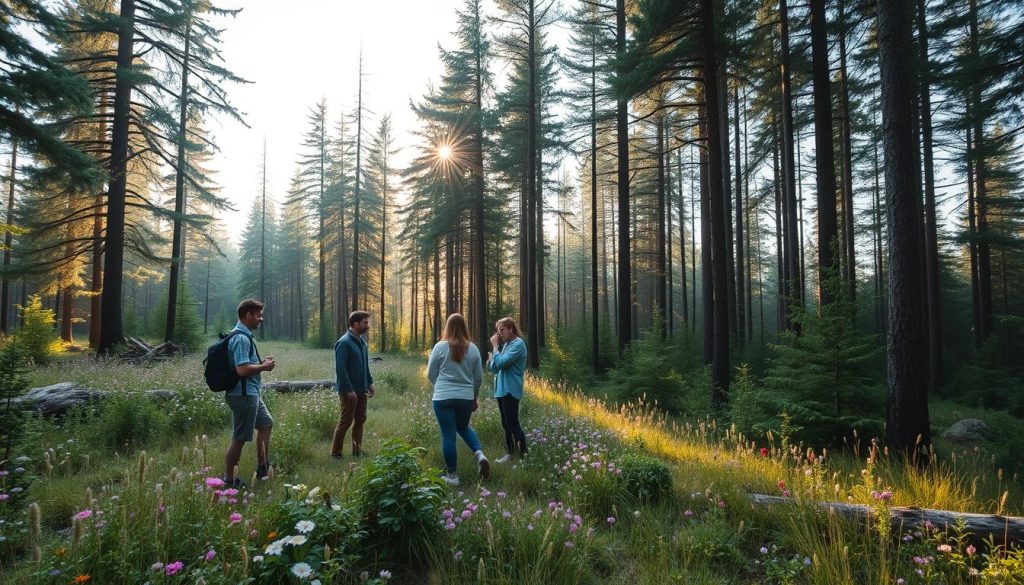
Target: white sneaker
503, 459
450, 479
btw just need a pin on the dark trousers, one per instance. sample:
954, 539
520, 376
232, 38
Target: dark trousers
353, 413
515, 438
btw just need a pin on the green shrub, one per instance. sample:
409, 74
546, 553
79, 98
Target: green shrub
647, 369
37, 337
329, 534
197, 411
391, 383
646, 478
400, 503
124, 422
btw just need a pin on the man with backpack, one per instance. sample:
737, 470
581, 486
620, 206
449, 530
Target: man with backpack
248, 411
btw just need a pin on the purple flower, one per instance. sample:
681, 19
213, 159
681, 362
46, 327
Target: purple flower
569, 544
688, 513
82, 515
174, 568
458, 555
235, 518
210, 554
610, 520
214, 483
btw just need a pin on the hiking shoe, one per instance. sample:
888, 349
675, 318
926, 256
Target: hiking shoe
484, 467
503, 459
238, 484
450, 479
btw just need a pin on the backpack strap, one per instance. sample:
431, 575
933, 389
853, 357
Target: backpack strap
245, 379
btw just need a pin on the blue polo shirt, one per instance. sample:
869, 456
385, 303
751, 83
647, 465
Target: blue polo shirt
242, 351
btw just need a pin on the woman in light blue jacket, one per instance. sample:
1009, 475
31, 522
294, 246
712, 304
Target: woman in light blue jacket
455, 368
508, 362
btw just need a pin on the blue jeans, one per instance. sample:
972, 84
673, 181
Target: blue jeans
453, 417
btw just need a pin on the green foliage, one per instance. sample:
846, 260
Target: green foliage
188, 328
318, 331
985, 381
399, 502
648, 369
124, 422
16, 476
308, 527
822, 377
646, 478
747, 402
37, 337
392, 383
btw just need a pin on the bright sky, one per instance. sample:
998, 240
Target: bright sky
299, 51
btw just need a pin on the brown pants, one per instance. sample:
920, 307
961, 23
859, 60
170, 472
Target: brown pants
353, 410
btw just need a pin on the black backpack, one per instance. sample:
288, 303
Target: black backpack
220, 376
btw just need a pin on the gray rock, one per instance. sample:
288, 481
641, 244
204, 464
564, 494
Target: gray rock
59, 398
162, 395
969, 430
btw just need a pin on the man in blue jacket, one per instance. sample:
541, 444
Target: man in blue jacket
353, 382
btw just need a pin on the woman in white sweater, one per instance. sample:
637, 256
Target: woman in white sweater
455, 369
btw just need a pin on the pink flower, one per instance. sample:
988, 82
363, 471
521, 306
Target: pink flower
210, 554
4, 497
214, 483
235, 518
764, 452
174, 568
970, 550
83, 514
945, 548
610, 520
688, 513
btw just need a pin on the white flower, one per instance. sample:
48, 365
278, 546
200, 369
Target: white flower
302, 570
275, 548
315, 582
297, 540
305, 526
257, 559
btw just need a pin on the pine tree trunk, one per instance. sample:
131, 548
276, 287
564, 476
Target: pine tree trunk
479, 317
263, 243
181, 169
824, 156
907, 395
5, 299
741, 330
623, 262
706, 269
849, 241
972, 242
717, 205
359, 172
595, 322
682, 241
667, 162
532, 259
792, 281
931, 241
660, 283
540, 255
112, 330
981, 190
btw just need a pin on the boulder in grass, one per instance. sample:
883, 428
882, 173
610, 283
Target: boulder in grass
968, 430
56, 399
162, 395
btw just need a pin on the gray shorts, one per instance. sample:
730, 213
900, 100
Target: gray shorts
247, 413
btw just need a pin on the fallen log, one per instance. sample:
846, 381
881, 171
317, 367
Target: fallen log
1003, 530
286, 386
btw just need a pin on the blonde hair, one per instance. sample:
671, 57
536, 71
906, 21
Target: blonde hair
457, 335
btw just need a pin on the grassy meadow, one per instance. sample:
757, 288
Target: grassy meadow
129, 493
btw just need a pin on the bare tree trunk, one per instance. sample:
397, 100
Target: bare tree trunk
981, 190
181, 169
717, 204
112, 330
931, 241
907, 395
659, 293
792, 281
623, 262
846, 151
824, 155
5, 300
